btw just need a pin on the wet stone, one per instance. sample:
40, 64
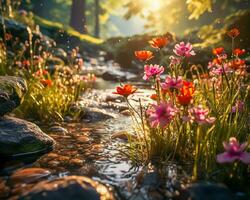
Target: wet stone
52, 155
68, 188
53, 163
95, 115
29, 175
83, 139
206, 191
76, 162
58, 129
63, 158
123, 135
125, 113
23, 139
12, 90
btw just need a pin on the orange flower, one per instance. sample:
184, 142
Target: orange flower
46, 82
159, 42
144, 55
154, 97
233, 33
187, 92
218, 51
125, 90
237, 64
239, 52
217, 61
188, 88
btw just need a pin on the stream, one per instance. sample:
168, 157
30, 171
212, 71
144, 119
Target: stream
94, 149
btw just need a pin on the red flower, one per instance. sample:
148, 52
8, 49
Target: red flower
218, 51
144, 55
233, 33
46, 82
125, 90
41, 72
26, 64
184, 99
237, 64
8, 36
187, 92
159, 42
239, 52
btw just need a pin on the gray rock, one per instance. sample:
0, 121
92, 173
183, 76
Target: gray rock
94, 115
68, 188
117, 75
20, 30
55, 61
207, 191
58, 129
59, 53
20, 138
12, 90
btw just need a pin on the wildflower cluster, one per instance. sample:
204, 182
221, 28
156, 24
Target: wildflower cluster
52, 87
193, 111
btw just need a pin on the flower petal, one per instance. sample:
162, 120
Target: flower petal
245, 158
226, 158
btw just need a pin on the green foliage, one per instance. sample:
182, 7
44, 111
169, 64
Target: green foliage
56, 25
47, 103
51, 91
198, 7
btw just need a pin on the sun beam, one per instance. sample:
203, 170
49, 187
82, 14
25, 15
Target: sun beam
153, 5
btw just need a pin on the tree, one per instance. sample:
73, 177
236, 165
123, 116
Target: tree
97, 21
78, 19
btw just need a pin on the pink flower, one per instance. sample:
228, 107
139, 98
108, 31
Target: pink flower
184, 50
238, 107
172, 83
174, 61
200, 115
152, 71
234, 151
162, 114
219, 70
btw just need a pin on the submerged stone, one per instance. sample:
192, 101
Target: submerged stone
29, 175
58, 129
207, 191
68, 188
22, 139
95, 115
12, 90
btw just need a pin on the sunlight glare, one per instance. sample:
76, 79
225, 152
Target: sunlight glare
153, 5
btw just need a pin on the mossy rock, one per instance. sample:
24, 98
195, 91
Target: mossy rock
20, 138
12, 91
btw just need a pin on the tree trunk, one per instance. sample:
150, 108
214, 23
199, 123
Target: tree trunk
40, 7
78, 17
97, 21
